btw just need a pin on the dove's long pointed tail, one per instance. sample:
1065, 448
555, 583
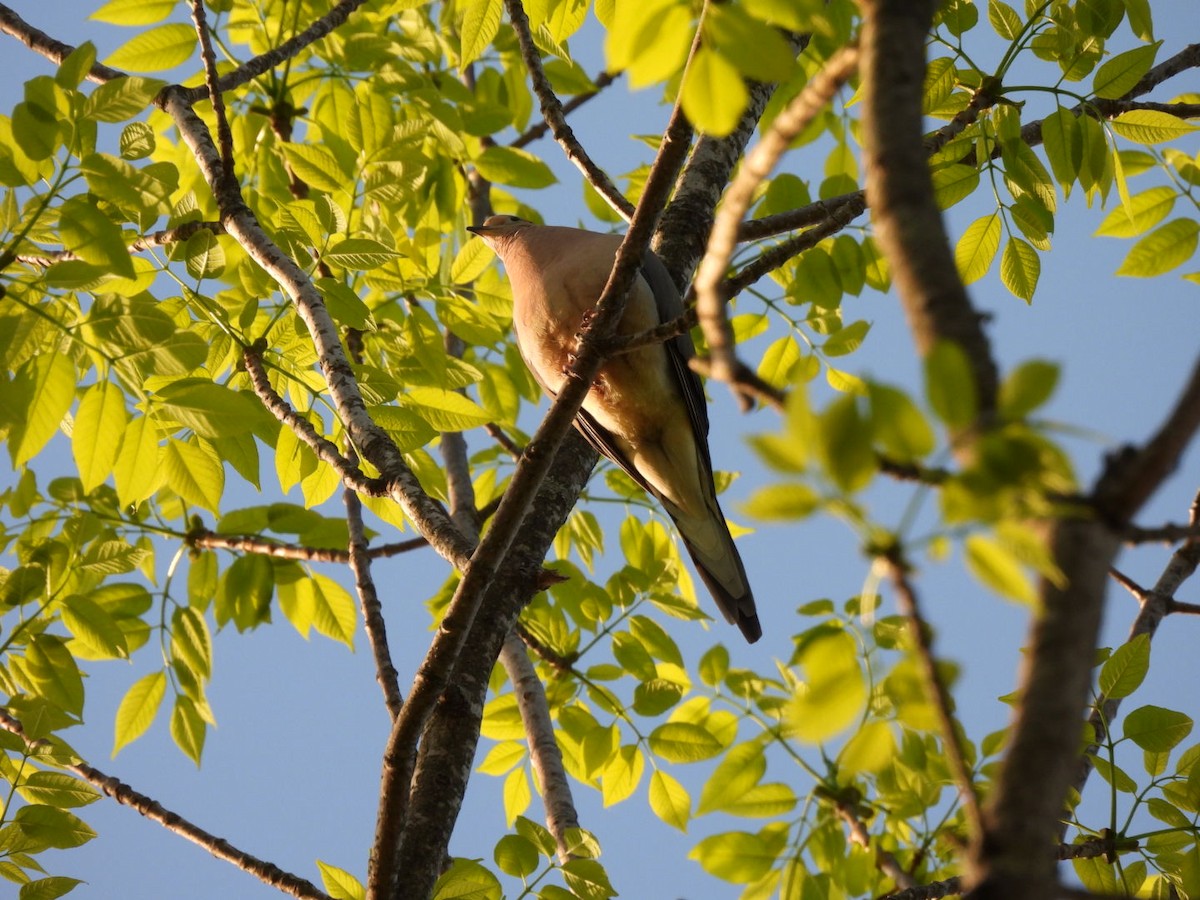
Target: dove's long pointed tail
720, 566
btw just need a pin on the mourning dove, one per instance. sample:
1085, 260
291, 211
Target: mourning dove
646, 409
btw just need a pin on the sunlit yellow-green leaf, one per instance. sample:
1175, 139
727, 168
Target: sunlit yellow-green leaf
782, 502
48, 386
1144, 211
481, 21
1118, 76
833, 693
135, 470
517, 795
155, 50
1155, 728
444, 410
649, 39
737, 856
94, 237
714, 95
513, 167
1163, 249
1020, 267
467, 880
134, 12
977, 248
340, 884
99, 427
1063, 143
193, 473
950, 385
998, 568
1027, 387
670, 800
1124, 671
138, 708
1149, 126
683, 742
621, 776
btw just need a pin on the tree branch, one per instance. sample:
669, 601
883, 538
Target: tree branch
371, 441
433, 676
54, 50
266, 872
544, 753
553, 113
710, 304
936, 690
537, 131
899, 191
1042, 761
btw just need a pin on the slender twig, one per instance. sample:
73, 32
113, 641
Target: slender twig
1153, 606
267, 872
372, 608
884, 860
710, 299
224, 135
552, 112
935, 688
54, 50
497, 434
209, 540
951, 887
538, 130
544, 752
1169, 533
264, 62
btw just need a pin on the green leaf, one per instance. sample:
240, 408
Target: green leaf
649, 40
99, 426
359, 253
135, 471
846, 339
1118, 76
898, 425
164, 47
517, 795
516, 856
669, 800
481, 22
950, 385
98, 634
334, 610
191, 642
1149, 126
977, 248
1064, 145
740, 770
1020, 267
684, 742
1124, 671
1156, 729
58, 789
36, 130
756, 49
193, 473
55, 673
1027, 387
953, 183
714, 95
51, 827
735, 856
470, 262
513, 167
188, 728
122, 98
587, 879
444, 410
1144, 211
781, 502
996, 567
845, 444
138, 708
834, 692
48, 888
46, 386
622, 775
317, 167
1163, 249
203, 255
340, 884
467, 880
134, 12
1004, 20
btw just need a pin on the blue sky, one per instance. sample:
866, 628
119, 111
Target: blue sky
291, 772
